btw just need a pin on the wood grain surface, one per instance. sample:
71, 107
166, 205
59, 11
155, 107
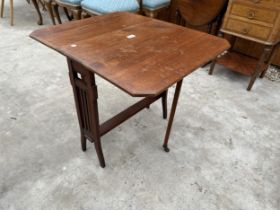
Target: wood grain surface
140, 55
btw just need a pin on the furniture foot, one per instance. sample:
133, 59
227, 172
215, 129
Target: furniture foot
99, 152
164, 104
172, 114
260, 67
83, 143
40, 20
165, 148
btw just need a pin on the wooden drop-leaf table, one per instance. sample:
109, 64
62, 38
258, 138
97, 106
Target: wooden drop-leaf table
139, 55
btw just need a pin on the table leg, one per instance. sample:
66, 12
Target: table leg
85, 94
172, 114
40, 20
260, 66
212, 67
269, 60
164, 104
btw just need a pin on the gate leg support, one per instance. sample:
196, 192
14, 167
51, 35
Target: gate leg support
171, 116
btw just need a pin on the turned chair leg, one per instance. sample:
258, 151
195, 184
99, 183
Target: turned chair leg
2, 8
40, 19
77, 14
50, 11
67, 14
56, 12
12, 12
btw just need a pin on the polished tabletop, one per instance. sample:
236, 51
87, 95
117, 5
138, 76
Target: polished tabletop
140, 55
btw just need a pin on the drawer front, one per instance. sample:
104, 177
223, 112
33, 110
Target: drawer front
275, 2
248, 29
253, 13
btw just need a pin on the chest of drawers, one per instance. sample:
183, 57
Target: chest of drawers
257, 21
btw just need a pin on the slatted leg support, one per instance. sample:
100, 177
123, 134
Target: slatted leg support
85, 94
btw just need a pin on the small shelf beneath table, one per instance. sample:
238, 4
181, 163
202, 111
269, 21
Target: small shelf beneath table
239, 62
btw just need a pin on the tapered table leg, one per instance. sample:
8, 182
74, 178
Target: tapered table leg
172, 114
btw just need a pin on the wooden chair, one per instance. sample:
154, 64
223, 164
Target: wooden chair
11, 11
98, 7
49, 4
35, 3
151, 8
74, 6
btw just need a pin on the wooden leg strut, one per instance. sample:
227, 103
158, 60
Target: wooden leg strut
172, 114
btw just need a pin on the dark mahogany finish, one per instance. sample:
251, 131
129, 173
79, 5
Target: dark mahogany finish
140, 55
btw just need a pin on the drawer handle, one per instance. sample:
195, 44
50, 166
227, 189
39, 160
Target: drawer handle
245, 30
256, 1
251, 14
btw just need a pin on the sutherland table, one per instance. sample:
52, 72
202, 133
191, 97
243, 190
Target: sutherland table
139, 55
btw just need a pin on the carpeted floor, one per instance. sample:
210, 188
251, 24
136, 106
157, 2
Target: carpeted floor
225, 148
